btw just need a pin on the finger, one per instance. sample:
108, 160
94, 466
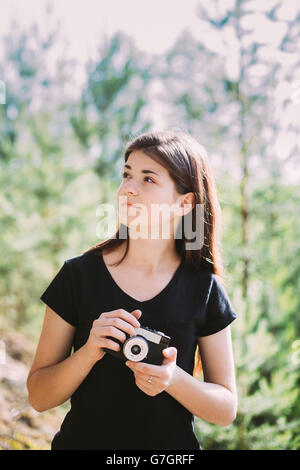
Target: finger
137, 313
144, 368
112, 332
121, 313
107, 343
144, 385
170, 355
149, 388
144, 377
120, 324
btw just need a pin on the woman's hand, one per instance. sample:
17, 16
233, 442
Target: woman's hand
114, 324
162, 376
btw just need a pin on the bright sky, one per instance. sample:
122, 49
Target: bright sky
154, 25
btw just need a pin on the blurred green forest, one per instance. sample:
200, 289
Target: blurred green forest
61, 154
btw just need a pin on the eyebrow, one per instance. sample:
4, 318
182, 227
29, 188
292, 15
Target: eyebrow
142, 171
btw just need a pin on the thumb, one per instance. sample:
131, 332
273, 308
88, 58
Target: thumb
137, 313
170, 354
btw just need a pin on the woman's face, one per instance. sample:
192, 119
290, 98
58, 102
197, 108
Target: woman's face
149, 187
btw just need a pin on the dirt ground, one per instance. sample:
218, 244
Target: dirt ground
21, 427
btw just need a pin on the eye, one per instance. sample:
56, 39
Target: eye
147, 177
125, 174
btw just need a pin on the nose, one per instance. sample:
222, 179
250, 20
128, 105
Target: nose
129, 188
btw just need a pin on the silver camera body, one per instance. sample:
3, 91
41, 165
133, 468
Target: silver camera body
147, 346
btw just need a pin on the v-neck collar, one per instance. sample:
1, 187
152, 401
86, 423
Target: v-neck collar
172, 280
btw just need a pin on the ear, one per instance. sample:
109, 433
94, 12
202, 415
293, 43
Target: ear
185, 204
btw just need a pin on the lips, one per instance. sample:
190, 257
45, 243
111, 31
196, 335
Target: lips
129, 204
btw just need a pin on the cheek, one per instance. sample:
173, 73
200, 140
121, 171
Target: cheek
162, 210
119, 194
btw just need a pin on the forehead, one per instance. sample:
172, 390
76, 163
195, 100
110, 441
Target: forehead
138, 160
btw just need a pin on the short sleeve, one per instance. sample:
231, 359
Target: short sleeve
219, 312
59, 295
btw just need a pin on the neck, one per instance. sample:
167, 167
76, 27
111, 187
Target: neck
153, 255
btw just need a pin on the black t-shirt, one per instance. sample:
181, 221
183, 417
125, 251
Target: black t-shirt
108, 410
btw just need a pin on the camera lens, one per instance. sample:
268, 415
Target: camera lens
135, 349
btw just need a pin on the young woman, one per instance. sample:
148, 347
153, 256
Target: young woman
165, 283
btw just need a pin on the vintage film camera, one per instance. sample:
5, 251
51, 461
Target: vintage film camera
147, 346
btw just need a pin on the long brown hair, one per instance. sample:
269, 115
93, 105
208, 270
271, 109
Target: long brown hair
188, 165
